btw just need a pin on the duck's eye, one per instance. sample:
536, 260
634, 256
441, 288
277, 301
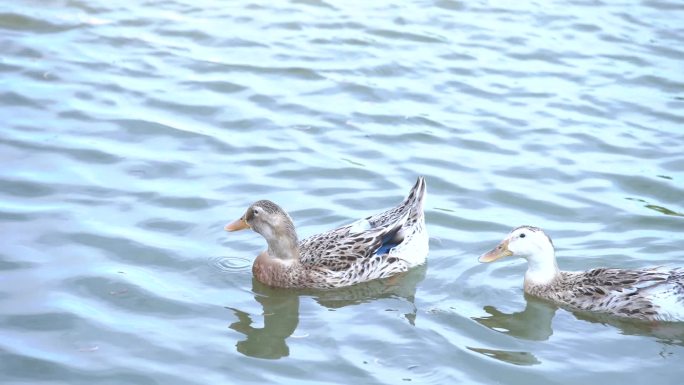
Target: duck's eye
256, 211
522, 235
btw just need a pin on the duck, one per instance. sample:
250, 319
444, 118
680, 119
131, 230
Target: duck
651, 294
378, 246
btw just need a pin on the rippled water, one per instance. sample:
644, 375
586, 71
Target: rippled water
132, 133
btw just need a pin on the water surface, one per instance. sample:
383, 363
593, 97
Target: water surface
132, 133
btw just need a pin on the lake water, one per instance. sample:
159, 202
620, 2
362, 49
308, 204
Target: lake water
132, 133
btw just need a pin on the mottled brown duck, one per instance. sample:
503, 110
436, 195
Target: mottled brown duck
378, 246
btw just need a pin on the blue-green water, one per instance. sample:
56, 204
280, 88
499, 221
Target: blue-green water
130, 134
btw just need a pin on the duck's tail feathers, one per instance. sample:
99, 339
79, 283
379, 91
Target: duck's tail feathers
412, 204
417, 194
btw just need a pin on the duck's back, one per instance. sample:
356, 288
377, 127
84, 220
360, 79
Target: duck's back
651, 294
379, 246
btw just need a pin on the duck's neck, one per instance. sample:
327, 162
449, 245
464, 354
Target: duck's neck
283, 243
542, 268
284, 248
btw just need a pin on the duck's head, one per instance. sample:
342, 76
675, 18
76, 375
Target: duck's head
264, 217
527, 242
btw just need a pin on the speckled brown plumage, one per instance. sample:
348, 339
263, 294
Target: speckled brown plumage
626, 293
378, 246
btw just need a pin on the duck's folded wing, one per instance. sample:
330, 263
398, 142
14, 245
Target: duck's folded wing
632, 292
342, 248
605, 280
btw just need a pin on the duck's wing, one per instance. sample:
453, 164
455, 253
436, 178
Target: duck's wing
342, 248
642, 293
367, 238
626, 281
667, 296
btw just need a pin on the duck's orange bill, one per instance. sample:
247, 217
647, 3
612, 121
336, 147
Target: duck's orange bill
496, 253
239, 224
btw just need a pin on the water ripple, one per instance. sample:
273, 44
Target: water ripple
231, 264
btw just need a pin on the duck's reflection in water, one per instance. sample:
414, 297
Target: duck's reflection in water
280, 315
281, 310
670, 333
516, 358
535, 323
